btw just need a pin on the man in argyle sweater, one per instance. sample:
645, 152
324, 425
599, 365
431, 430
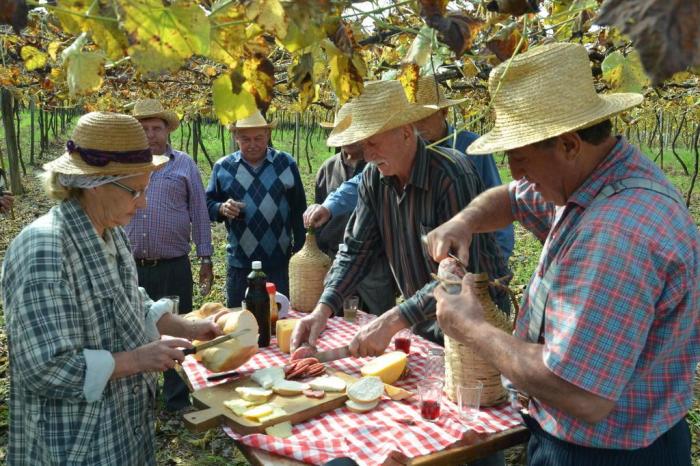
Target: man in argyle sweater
258, 193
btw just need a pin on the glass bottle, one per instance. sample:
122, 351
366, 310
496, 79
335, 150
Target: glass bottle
258, 302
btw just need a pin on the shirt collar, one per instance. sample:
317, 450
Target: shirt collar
601, 175
269, 156
419, 171
169, 152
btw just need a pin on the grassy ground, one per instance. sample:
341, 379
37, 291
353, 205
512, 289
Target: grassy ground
176, 446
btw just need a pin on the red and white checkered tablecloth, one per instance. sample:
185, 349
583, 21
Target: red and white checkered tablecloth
367, 438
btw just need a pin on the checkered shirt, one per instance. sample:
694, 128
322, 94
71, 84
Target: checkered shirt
61, 297
272, 227
622, 317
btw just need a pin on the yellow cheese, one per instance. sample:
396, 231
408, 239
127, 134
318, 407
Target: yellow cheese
281, 430
275, 414
284, 330
258, 412
388, 366
238, 406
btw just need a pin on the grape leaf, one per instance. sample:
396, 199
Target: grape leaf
52, 48
161, 38
664, 32
504, 42
84, 72
346, 74
433, 7
513, 7
34, 58
421, 47
259, 74
456, 30
302, 76
624, 73
269, 14
408, 77
231, 101
231, 42
106, 34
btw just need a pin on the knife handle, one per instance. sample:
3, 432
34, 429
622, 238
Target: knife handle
187, 351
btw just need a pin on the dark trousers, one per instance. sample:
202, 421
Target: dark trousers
237, 282
671, 449
171, 277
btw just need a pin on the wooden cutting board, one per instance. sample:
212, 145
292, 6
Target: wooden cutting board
299, 408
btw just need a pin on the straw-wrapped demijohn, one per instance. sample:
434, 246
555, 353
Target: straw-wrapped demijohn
307, 270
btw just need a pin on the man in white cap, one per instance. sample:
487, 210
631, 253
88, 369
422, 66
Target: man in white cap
608, 336
258, 192
161, 233
407, 190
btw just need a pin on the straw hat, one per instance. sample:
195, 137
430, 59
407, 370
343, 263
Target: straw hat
545, 92
105, 143
429, 92
343, 112
256, 120
152, 108
382, 106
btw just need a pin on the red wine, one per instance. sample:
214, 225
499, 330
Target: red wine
403, 344
430, 409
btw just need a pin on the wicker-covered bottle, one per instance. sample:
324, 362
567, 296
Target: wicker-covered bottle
307, 270
462, 364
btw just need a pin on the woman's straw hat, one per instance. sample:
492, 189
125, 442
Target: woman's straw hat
382, 106
105, 143
256, 120
545, 92
429, 92
152, 108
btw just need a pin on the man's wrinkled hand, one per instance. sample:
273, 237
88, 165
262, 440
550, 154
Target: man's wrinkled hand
310, 327
373, 338
316, 215
458, 313
204, 329
452, 236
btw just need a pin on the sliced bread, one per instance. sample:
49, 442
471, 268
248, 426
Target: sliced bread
356, 407
366, 390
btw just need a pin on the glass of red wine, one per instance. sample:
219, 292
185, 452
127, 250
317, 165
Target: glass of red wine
430, 392
402, 341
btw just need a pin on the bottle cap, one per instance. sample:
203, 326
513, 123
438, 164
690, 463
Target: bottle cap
271, 288
257, 265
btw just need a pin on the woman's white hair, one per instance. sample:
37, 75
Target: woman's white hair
60, 186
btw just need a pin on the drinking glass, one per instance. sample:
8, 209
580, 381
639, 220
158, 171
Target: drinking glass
350, 306
469, 400
430, 392
436, 364
402, 341
176, 303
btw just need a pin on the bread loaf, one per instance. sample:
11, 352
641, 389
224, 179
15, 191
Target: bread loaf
236, 352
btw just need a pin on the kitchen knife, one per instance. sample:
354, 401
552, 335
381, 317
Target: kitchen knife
214, 342
333, 354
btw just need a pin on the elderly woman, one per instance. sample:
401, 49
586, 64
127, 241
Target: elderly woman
84, 342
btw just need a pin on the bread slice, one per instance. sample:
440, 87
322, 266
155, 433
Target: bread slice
289, 387
366, 390
356, 407
328, 383
254, 394
268, 376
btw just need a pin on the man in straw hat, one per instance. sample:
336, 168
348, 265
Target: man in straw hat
407, 190
258, 192
608, 336
84, 341
160, 233
435, 129
377, 289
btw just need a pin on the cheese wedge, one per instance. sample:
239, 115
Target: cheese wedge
284, 329
256, 412
238, 406
268, 376
289, 387
281, 430
356, 407
254, 394
388, 366
276, 413
328, 383
366, 390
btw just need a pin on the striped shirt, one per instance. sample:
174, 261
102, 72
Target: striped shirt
622, 318
392, 220
176, 207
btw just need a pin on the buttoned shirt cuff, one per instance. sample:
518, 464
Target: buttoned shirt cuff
99, 366
333, 300
204, 250
333, 207
154, 311
411, 313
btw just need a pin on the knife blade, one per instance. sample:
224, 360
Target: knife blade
333, 354
214, 342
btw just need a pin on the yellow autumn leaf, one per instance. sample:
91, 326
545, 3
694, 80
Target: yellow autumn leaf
270, 15
90, 17
345, 78
84, 72
302, 77
624, 73
408, 77
34, 58
53, 49
230, 105
259, 75
162, 37
227, 39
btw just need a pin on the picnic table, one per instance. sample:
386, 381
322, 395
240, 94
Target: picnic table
392, 433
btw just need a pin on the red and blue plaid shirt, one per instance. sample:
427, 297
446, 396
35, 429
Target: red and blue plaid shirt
622, 318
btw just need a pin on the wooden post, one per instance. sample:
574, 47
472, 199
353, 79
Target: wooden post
11, 141
32, 112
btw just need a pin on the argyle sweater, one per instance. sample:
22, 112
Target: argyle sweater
271, 228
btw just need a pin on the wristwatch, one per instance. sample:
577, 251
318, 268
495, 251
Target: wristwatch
205, 260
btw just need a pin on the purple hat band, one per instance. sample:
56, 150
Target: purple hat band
100, 158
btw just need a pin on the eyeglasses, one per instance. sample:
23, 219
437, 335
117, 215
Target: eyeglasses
134, 193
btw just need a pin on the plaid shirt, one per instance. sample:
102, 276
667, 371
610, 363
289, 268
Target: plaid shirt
61, 298
622, 317
176, 207
392, 221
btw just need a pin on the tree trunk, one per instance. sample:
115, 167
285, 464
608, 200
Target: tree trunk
32, 114
11, 141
